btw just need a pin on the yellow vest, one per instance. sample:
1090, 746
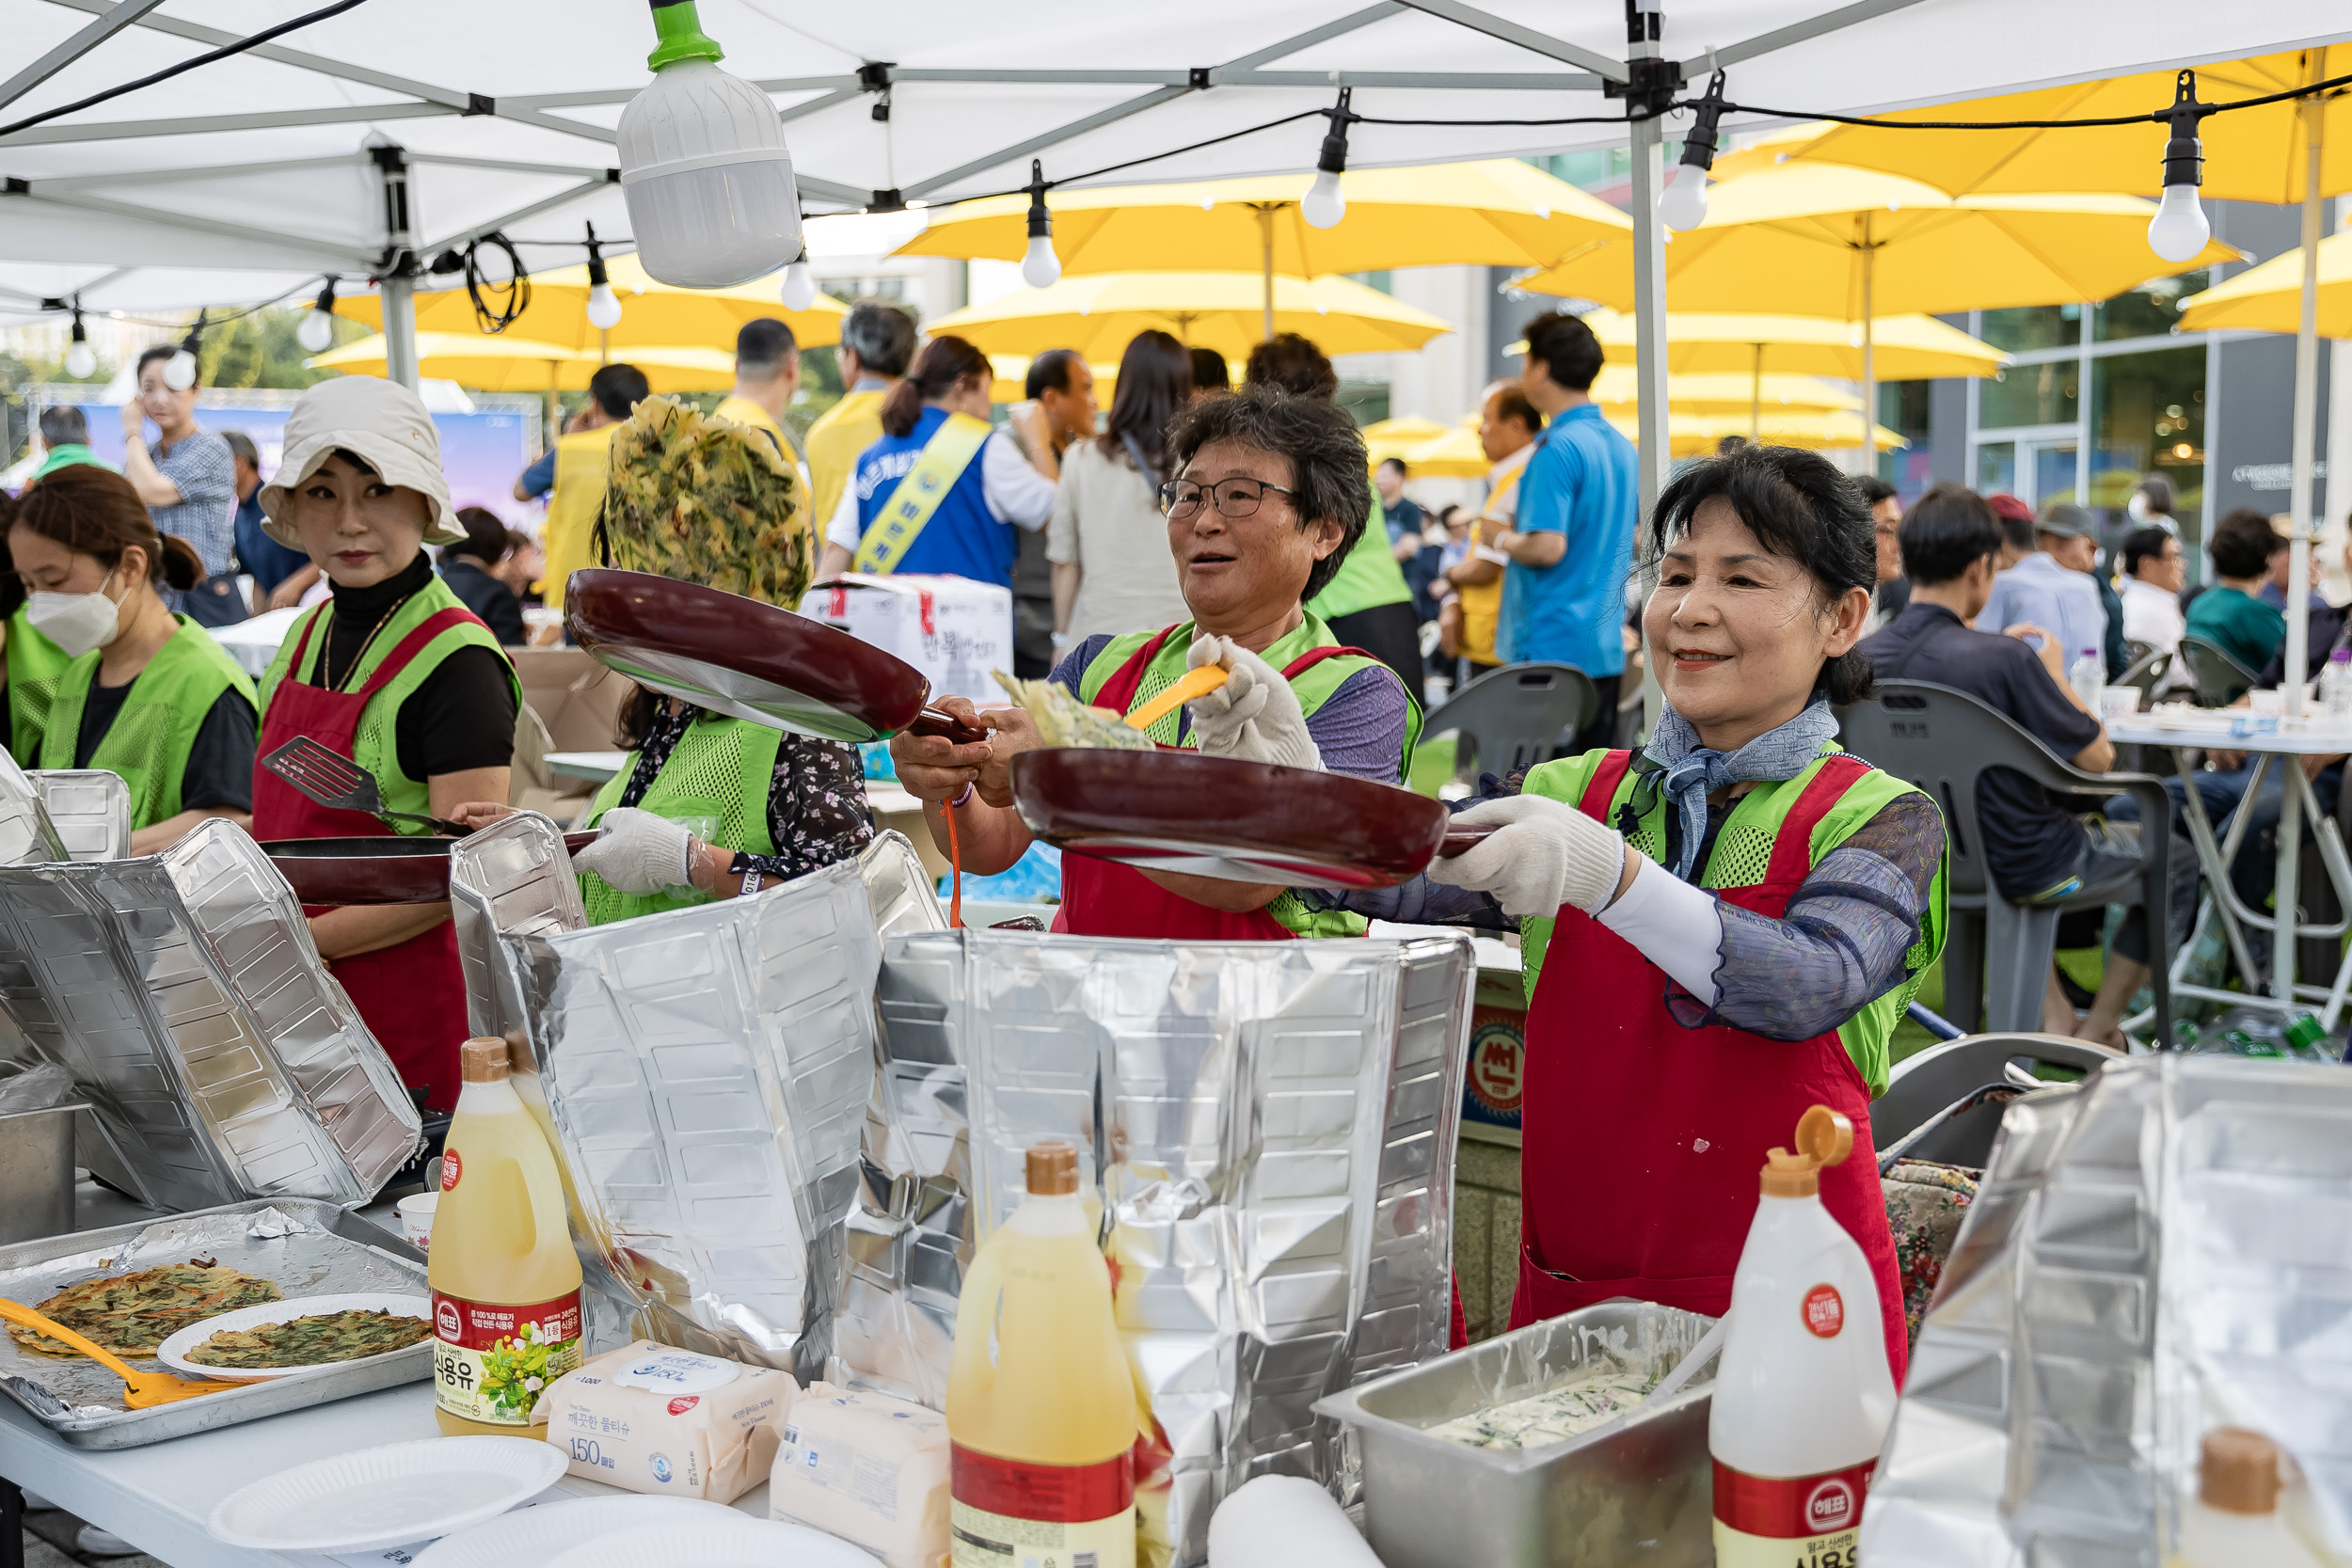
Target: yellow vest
835, 441
583, 459
1482, 603
744, 411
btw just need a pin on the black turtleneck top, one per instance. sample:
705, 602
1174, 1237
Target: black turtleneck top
461, 717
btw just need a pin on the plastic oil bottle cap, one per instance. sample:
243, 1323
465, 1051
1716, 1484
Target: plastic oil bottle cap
2237, 1472
482, 1059
1823, 1138
1052, 1169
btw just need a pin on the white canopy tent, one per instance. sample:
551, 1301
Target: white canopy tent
248, 177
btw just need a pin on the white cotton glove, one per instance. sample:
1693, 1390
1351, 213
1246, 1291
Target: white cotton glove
1255, 716
638, 853
1547, 853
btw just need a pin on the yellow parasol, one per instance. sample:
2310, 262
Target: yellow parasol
2270, 298
1495, 211
511, 364
651, 312
1098, 315
1907, 348
1717, 392
1698, 434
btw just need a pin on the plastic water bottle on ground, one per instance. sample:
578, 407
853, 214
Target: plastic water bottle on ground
2088, 675
2335, 690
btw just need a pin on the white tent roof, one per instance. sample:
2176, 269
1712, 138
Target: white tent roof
243, 178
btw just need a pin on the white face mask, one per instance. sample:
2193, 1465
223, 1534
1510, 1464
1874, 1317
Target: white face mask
74, 622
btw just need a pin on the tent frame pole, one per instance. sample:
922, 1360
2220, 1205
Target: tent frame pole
2298, 651
1265, 256
1654, 427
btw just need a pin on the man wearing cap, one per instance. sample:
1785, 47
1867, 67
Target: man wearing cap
2052, 587
395, 673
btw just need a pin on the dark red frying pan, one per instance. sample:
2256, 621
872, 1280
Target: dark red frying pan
1238, 821
374, 870
750, 660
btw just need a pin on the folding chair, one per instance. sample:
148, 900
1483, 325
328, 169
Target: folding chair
2221, 679
1513, 718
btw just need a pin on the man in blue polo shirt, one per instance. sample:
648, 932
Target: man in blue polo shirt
1571, 544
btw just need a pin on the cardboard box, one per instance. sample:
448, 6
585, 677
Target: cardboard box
953, 629
575, 696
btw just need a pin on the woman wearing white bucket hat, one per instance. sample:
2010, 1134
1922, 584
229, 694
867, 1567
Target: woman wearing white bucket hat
394, 671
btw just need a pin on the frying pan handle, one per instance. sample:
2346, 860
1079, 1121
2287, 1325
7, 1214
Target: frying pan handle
946, 726
1461, 839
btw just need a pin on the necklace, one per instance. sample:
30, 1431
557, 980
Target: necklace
326, 653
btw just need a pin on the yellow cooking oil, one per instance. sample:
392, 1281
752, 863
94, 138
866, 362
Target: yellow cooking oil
505, 1280
1040, 1401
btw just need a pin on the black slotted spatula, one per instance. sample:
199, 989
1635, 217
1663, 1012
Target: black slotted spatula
331, 779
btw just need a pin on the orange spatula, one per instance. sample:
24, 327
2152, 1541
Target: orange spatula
140, 1389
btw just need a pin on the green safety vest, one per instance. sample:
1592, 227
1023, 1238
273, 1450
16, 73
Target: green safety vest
716, 783
1743, 853
375, 746
149, 742
35, 664
1313, 685
1369, 577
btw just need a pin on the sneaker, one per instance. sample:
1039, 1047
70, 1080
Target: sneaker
92, 1542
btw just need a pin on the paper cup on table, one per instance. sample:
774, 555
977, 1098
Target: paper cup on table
415, 1218
2268, 703
2118, 701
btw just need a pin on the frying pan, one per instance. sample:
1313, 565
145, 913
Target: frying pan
374, 870
750, 660
1238, 821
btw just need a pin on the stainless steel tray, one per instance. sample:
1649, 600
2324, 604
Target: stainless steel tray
1639, 1492
321, 1250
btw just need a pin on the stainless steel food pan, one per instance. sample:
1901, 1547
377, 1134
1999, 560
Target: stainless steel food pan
1638, 1494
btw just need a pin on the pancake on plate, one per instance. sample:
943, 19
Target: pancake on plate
132, 1314
310, 1341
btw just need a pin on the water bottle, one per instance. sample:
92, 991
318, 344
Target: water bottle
2335, 690
2088, 675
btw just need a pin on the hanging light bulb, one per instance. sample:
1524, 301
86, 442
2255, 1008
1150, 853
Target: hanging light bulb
1326, 203
604, 306
79, 360
1039, 268
2179, 229
1683, 203
704, 167
317, 332
799, 284
180, 370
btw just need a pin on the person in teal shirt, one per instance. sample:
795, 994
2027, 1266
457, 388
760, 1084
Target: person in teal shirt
65, 438
2228, 615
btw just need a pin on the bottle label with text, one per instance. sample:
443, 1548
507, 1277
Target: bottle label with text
1789, 1522
491, 1360
1011, 1514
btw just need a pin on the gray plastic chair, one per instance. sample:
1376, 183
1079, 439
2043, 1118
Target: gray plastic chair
1942, 739
1923, 1087
1513, 718
2145, 673
2221, 679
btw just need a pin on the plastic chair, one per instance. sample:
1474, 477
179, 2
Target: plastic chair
1924, 1086
2146, 671
2135, 650
1942, 740
2221, 679
1513, 718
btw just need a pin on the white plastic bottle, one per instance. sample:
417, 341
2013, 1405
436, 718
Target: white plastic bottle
2234, 1522
2088, 675
1804, 1395
2335, 689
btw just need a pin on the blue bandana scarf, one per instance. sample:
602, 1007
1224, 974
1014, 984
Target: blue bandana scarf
1687, 772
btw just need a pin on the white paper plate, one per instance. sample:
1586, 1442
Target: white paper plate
173, 1352
534, 1537
737, 1543
387, 1496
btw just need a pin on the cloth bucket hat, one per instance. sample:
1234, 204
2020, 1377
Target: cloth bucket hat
382, 423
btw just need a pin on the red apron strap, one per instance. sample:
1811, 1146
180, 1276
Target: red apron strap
1314, 657
1603, 788
1792, 849
1118, 692
409, 647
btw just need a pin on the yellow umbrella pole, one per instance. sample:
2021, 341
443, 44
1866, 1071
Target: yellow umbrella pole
1869, 366
1756, 400
1265, 237
555, 408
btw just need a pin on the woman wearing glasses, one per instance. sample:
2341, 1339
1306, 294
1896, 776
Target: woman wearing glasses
1269, 494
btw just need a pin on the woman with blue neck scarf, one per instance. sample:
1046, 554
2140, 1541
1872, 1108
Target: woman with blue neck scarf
1723, 930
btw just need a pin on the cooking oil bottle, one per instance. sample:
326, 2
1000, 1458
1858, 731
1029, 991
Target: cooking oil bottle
1041, 1402
505, 1281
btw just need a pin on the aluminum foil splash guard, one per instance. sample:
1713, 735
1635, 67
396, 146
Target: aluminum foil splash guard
1270, 1127
705, 1073
183, 993
2165, 1250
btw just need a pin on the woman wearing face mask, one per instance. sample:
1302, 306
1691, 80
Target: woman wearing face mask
1718, 933
394, 673
148, 694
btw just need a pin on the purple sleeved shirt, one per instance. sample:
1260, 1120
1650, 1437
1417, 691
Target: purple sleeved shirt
1360, 729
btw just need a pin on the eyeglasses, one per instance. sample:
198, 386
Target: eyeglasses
1233, 497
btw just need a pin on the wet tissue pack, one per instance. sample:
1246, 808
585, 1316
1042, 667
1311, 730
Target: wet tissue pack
868, 1468
670, 1423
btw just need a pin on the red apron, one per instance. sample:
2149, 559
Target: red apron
413, 995
1102, 898
1643, 1139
